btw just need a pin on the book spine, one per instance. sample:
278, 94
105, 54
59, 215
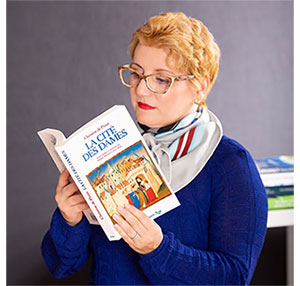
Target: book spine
277, 191
276, 170
277, 179
280, 197
281, 202
80, 184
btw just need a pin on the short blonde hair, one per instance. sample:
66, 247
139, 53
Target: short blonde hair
189, 44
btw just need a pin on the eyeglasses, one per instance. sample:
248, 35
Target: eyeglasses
155, 82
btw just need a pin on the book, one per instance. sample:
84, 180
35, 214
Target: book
111, 165
276, 171
277, 174
280, 197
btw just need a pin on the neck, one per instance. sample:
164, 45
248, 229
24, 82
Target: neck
158, 130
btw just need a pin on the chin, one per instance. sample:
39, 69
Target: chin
148, 123
148, 120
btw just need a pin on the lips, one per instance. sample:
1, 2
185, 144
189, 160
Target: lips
145, 106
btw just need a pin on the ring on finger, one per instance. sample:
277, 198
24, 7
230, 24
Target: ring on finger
135, 236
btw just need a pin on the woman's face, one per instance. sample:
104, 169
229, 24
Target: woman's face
158, 110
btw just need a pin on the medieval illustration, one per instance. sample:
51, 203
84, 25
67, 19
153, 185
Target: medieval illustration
128, 178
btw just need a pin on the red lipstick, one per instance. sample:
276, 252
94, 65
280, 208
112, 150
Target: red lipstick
145, 106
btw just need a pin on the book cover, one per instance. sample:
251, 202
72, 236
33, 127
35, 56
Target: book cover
273, 192
111, 165
280, 164
282, 202
276, 171
280, 197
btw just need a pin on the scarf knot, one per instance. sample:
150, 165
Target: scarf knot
182, 153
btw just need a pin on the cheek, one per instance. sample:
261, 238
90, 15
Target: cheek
178, 104
174, 100
132, 97
130, 92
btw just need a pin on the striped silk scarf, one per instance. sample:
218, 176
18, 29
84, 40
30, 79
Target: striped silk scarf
183, 151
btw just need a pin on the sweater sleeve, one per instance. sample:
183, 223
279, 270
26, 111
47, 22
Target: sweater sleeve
237, 227
64, 247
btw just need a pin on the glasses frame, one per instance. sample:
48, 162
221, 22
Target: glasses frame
145, 77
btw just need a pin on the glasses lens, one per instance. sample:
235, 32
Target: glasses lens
159, 83
130, 77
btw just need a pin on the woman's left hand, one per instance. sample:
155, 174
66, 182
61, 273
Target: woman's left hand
140, 232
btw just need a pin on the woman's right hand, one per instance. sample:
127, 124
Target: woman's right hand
69, 200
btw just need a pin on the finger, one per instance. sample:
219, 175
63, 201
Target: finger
75, 209
66, 192
76, 199
132, 220
141, 216
126, 227
69, 190
63, 179
81, 206
125, 236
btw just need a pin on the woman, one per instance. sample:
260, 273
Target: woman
142, 197
216, 235
146, 189
149, 191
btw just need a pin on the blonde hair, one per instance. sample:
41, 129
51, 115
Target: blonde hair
187, 40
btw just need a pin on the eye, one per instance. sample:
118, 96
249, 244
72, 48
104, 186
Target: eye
134, 75
161, 80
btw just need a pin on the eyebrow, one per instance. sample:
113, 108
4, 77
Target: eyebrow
131, 65
156, 70
164, 70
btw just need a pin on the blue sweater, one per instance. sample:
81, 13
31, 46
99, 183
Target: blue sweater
213, 238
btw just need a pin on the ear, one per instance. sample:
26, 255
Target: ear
204, 87
202, 93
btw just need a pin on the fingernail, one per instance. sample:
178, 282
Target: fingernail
120, 208
127, 206
115, 217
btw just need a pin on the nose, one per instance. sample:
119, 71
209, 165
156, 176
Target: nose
142, 89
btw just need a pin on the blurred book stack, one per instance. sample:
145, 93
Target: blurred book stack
277, 174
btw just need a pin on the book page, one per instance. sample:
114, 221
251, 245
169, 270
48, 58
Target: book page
51, 138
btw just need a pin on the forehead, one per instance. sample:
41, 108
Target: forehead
152, 59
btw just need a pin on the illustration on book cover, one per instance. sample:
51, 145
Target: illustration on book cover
128, 178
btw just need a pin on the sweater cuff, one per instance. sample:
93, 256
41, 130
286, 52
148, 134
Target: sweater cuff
161, 248
57, 216
68, 239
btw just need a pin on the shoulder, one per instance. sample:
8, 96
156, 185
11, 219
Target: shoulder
229, 146
228, 151
231, 158
234, 174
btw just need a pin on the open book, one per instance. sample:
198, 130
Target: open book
111, 165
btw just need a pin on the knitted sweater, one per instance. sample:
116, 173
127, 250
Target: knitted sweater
213, 238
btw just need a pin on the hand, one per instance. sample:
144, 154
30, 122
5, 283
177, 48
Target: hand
140, 232
69, 200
